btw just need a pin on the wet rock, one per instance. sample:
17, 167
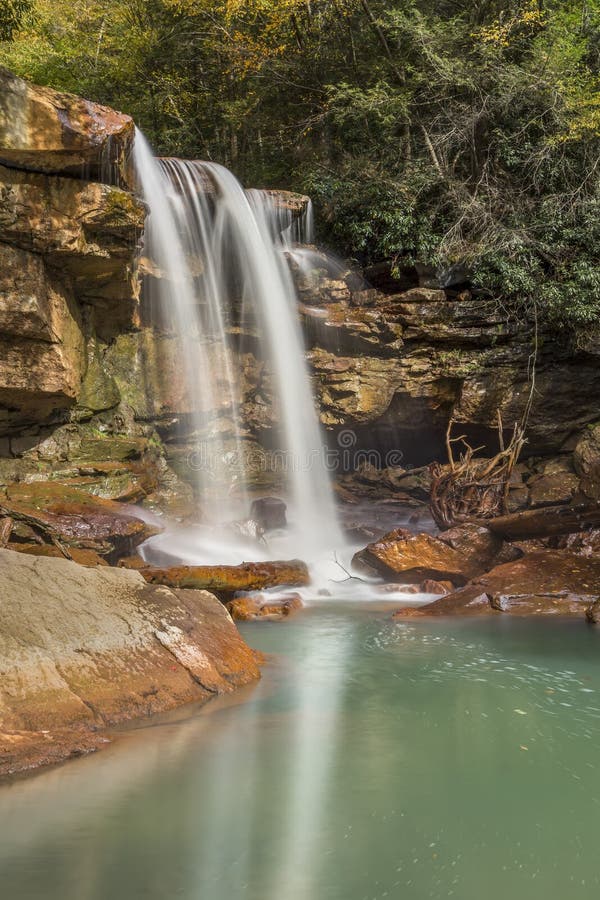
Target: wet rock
88, 231
469, 601
586, 460
82, 648
249, 607
436, 587
592, 613
556, 483
475, 543
43, 130
426, 587
545, 521
414, 557
227, 580
247, 528
548, 582
399, 588
68, 517
270, 512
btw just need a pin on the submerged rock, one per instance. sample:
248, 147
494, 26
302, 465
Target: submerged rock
81, 649
248, 607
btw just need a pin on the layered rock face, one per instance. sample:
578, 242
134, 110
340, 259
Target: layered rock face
85, 648
48, 131
68, 287
407, 362
90, 372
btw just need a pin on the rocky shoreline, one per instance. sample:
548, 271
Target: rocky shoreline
82, 649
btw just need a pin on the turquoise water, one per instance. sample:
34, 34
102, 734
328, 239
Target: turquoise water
414, 760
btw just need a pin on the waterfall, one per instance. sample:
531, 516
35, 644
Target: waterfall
209, 241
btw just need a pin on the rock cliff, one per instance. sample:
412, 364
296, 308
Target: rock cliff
89, 373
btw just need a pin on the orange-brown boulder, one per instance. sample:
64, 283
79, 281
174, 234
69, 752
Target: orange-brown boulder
476, 543
58, 514
415, 557
249, 607
43, 130
85, 648
547, 582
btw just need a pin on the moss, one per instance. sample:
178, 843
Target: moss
460, 363
121, 209
99, 390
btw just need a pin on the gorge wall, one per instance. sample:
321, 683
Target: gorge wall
91, 389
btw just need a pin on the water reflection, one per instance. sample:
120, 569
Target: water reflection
412, 760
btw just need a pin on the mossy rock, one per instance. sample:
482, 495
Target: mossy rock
99, 390
111, 448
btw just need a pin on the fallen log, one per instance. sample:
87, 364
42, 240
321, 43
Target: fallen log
229, 579
544, 522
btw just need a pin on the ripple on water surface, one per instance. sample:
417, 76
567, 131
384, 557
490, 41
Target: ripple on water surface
375, 759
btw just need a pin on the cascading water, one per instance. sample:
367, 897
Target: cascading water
207, 239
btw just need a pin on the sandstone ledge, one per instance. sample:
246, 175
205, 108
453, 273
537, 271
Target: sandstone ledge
546, 582
86, 648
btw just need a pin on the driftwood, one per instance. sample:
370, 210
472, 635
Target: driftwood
545, 522
470, 488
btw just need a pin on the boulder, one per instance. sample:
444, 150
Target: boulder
436, 587
67, 517
592, 613
43, 130
476, 543
82, 649
249, 607
227, 580
547, 582
269, 512
557, 483
415, 557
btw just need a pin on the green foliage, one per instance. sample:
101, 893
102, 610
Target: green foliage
437, 131
13, 15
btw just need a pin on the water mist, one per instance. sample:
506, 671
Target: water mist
203, 233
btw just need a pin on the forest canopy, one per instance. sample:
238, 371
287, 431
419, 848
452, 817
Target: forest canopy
443, 132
